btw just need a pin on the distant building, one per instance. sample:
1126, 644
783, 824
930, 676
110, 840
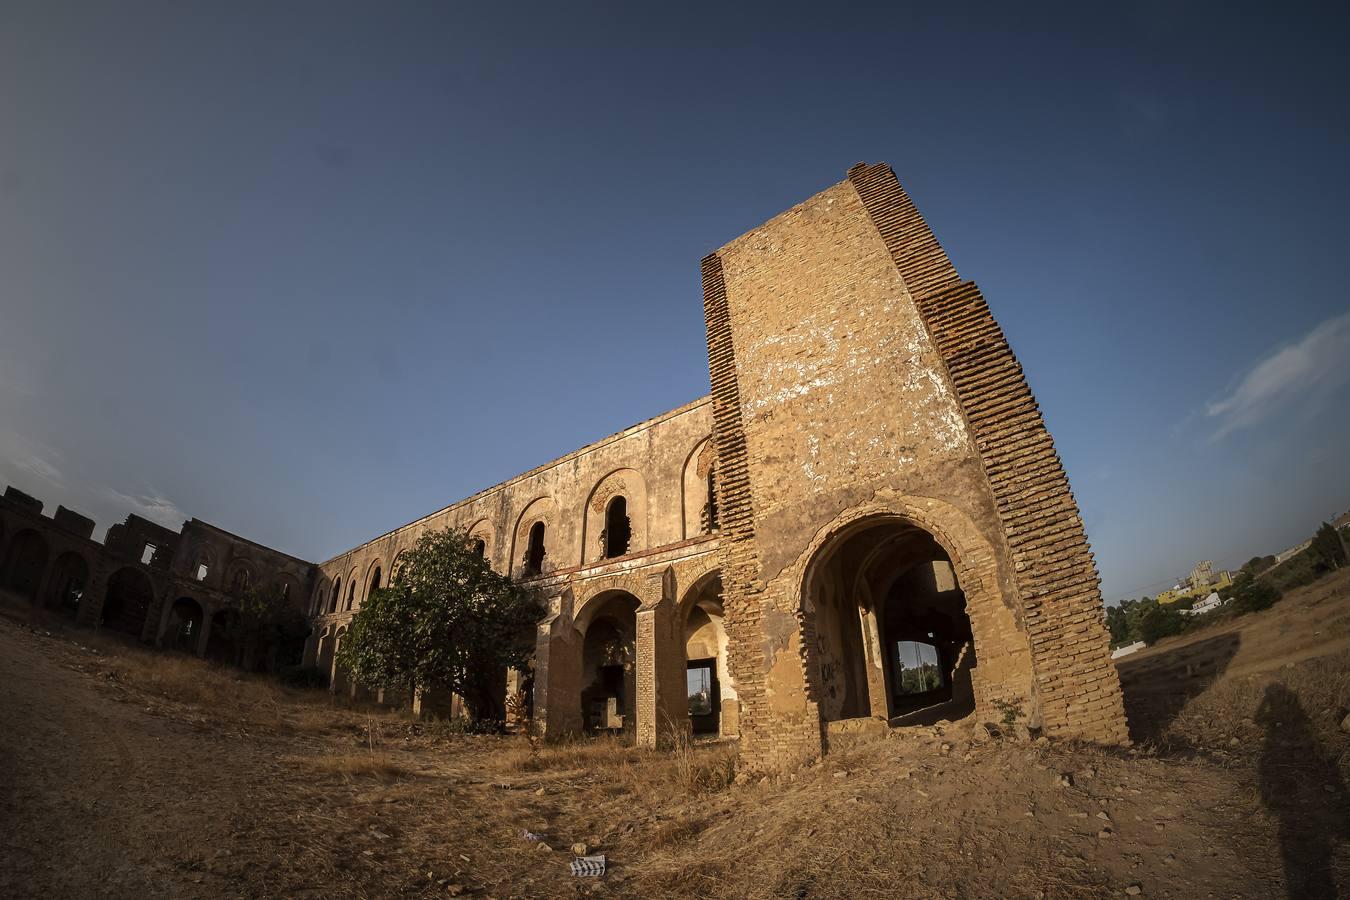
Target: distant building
1209, 604
1128, 649
1202, 581
1292, 551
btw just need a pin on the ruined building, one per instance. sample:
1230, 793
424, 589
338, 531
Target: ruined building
179, 589
865, 521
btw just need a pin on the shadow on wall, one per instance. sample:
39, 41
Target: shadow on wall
1305, 792
1157, 687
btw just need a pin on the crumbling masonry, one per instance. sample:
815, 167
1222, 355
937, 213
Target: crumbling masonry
865, 524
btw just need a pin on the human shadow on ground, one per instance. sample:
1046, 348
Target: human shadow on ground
1158, 686
1305, 792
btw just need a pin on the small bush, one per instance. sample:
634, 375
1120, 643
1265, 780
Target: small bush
1009, 710
1249, 594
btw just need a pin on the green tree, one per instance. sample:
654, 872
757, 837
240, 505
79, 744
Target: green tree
1134, 614
1122, 621
1327, 544
1258, 564
1157, 622
1248, 594
264, 631
448, 621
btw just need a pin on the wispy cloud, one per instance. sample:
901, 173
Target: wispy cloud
21, 459
152, 505
1296, 375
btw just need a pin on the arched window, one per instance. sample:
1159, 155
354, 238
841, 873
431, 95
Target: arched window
374, 582
534, 553
480, 547
618, 530
240, 582
351, 594
337, 595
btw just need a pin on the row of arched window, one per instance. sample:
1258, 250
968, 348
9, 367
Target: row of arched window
616, 539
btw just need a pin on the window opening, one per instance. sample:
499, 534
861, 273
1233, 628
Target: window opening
618, 529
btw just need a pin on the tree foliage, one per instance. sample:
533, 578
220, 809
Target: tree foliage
448, 621
1248, 594
262, 625
1258, 564
1157, 621
1327, 544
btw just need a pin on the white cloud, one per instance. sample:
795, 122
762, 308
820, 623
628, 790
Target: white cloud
23, 459
152, 506
1294, 375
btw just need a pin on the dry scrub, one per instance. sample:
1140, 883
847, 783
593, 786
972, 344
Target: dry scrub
686, 769
351, 765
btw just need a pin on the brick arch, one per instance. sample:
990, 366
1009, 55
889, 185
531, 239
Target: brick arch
694, 496
591, 595
1001, 643
622, 482
237, 565
25, 563
201, 555
334, 601
71, 575
376, 563
285, 585
323, 586
396, 564
544, 509
350, 597
691, 589
483, 530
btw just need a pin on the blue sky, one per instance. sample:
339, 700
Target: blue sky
309, 271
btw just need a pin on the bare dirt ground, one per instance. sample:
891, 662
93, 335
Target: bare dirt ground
130, 774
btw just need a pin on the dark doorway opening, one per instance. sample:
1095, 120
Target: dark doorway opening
618, 528
705, 701
534, 552
893, 639
25, 563
185, 625
127, 601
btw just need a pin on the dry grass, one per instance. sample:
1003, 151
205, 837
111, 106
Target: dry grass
353, 765
222, 693
1234, 714
687, 768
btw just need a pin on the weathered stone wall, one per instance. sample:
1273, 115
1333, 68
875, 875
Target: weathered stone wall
840, 392
655, 466
75, 566
645, 463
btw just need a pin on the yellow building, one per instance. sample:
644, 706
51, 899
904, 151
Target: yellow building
1202, 581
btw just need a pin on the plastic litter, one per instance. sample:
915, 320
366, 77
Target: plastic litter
589, 866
